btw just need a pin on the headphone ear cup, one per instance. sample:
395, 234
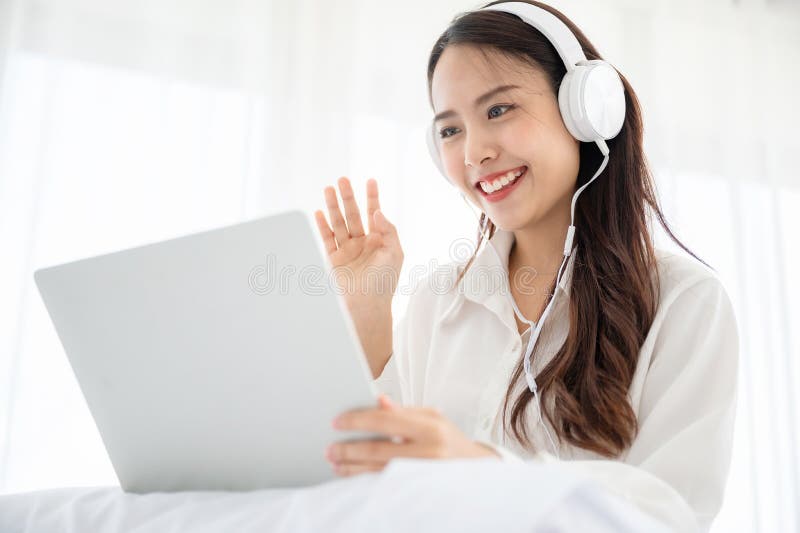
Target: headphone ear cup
592, 101
433, 150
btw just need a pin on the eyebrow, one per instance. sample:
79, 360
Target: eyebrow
480, 100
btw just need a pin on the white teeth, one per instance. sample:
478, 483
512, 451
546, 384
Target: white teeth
500, 182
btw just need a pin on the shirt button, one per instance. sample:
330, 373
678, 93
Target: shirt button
486, 422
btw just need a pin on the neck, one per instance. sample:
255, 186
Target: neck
540, 245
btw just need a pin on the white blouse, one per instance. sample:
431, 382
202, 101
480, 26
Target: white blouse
455, 349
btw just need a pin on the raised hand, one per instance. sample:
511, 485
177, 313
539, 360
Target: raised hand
367, 264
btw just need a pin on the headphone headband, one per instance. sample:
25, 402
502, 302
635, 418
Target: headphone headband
552, 27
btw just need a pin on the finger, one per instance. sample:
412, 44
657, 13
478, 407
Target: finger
407, 423
375, 451
383, 225
339, 226
386, 228
430, 412
325, 231
372, 202
353, 469
350, 208
385, 402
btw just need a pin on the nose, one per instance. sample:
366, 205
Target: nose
477, 149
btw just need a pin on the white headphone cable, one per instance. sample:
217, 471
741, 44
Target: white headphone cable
534, 336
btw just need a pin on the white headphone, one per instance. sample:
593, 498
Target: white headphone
591, 99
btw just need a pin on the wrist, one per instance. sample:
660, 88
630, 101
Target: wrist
486, 450
374, 328
381, 307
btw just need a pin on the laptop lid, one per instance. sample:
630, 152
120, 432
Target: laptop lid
213, 361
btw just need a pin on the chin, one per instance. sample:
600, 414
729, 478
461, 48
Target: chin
507, 224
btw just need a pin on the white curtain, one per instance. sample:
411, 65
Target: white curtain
128, 122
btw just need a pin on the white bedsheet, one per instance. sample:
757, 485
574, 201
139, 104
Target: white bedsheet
409, 495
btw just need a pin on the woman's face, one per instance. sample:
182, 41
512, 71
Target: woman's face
515, 129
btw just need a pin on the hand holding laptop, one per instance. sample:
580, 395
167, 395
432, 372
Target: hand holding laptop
367, 266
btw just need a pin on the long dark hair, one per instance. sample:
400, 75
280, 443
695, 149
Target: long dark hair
615, 287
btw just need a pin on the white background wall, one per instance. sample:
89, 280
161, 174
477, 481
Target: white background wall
127, 122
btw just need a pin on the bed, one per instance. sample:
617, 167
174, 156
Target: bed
408, 495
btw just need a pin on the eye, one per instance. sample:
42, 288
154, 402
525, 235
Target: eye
508, 106
443, 133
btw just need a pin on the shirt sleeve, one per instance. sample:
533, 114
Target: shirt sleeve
677, 466
404, 373
504, 453
389, 381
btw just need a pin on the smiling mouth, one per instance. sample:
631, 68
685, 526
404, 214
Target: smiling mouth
502, 184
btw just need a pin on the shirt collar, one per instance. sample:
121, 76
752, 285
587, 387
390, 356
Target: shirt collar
487, 276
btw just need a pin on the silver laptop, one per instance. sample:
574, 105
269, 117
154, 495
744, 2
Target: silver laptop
214, 361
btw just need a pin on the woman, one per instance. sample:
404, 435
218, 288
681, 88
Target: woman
632, 351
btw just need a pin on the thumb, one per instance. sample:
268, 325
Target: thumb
383, 225
384, 402
374, 240
382, 222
